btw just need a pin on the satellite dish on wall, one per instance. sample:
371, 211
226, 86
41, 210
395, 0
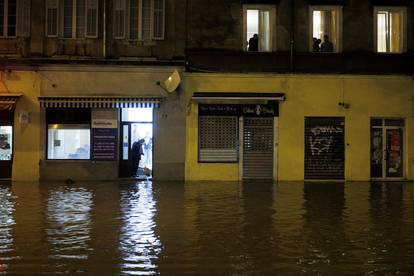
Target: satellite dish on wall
172, 82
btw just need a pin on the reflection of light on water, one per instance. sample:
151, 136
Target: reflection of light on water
68, 215
140, 246
6, 223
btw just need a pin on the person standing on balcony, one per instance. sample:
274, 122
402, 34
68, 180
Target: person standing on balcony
254, 43
326, 46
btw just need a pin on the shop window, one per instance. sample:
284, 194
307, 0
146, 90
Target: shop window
389, 29
72, 18
6, 147
218, 139
14, 18
259, 28
68, 133
142, 20
325, 28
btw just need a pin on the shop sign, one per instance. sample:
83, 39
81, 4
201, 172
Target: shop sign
104, 139
245, 110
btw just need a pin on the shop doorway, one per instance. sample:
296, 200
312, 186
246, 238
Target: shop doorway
6, 143
387, 148
258, 148
136, 152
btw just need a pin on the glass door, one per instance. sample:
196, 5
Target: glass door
135, 158
394, 152
387, 148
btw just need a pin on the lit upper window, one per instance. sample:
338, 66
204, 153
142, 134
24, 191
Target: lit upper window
390, 25
325, 28
259, 28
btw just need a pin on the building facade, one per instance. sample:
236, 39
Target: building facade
294, 90
82, 80
270, 89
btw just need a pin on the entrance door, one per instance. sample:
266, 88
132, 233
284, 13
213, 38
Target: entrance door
258, 148
136, 131
6, 143
387, 148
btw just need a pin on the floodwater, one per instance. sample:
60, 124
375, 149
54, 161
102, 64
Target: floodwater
207, 228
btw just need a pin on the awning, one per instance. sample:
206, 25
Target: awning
234, 98
8, 100
99, 102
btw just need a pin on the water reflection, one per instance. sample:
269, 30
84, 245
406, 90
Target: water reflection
324, 233
67, 226
6, 222
207, 228
139, 244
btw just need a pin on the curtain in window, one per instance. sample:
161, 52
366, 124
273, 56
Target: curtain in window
264, 31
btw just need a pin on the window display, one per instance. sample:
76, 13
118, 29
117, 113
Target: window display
6, 142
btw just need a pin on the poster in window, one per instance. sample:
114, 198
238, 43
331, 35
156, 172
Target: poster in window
104, 139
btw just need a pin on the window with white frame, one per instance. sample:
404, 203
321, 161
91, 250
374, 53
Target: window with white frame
142, 20
325, 28
72, 18
68, 133
15, 18
390, 28
259, 28
218, 138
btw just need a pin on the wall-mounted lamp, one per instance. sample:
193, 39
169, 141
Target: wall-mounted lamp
171, 83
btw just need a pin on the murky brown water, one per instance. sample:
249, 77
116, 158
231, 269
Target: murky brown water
207, 229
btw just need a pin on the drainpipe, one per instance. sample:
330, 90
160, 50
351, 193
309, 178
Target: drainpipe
292, 34
104, 30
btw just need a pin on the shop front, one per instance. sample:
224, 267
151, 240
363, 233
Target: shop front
238, 131
93, 137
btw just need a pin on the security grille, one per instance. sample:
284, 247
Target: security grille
258, 148
218, 139
324, 148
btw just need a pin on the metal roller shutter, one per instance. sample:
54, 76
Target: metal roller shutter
324, 147
258, 148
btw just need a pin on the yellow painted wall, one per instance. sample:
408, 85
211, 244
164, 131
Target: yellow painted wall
26, 138
309, 95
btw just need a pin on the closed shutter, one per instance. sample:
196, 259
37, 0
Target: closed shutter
159, 19
258, 148
52, 18
92, 18
324, 147
23, 18
119, 17
146, 20
218, 139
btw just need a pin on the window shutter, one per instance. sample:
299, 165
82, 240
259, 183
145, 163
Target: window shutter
146, 19
119, 16
159, 19
92, 18
52, 18
23, 18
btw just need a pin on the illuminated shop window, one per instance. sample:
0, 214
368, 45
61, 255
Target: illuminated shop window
389, 26
259, 28
68, 133
6, 146
326, 28
72, 18
218, 139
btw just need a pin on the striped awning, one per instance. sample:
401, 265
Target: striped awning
8, 101
99, 102
236, 97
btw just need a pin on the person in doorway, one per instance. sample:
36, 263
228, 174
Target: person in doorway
326, 46
136, 155
316, 44
254, 43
